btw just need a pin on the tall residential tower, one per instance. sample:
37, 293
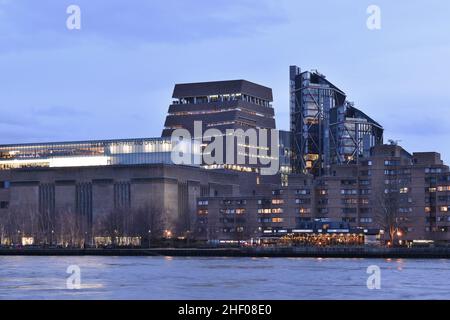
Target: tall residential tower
326, 128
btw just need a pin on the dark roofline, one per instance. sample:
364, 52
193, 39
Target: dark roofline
184, 90
79, 142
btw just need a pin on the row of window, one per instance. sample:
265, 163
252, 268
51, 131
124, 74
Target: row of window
232, 211
438, 189
270, 220
233, 230
270, 211
229, 220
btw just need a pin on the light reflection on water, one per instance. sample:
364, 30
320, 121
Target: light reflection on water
221, 278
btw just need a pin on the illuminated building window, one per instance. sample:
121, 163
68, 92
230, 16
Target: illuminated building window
350, 201
304, 210
349, 191
302, 191
404, 190
277, 220
277, 210
444, 209
277, 201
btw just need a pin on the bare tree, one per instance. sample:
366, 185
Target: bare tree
70, 228
148, 222
387, 211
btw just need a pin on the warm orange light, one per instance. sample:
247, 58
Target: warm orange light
168, 234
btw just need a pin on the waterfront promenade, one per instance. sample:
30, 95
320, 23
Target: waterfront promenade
315, 252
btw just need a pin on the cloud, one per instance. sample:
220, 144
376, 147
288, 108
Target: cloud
34, 24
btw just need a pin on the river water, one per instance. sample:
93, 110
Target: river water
219, 278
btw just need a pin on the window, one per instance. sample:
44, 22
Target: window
277, 210
4, 204
391, 163
349, 201
349, 191
277, 201
444, 209
348, 182
304, 210
366, 220
203, 202
404, 190
303, 191
302, 201
277, 220
4, 184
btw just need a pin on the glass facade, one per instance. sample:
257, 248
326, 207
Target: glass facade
86, 153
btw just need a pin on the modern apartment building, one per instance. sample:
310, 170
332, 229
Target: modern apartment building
388, 189
326, 128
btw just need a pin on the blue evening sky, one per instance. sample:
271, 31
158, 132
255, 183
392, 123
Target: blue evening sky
114, 77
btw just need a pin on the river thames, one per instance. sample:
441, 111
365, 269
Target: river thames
220, 278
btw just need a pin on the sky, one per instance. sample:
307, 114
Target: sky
114, 77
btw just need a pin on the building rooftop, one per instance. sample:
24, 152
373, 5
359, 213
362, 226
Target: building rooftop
222, 87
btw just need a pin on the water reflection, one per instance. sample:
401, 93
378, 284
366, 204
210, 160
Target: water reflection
219, 278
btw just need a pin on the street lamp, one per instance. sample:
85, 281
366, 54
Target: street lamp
149, 236
51, 241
